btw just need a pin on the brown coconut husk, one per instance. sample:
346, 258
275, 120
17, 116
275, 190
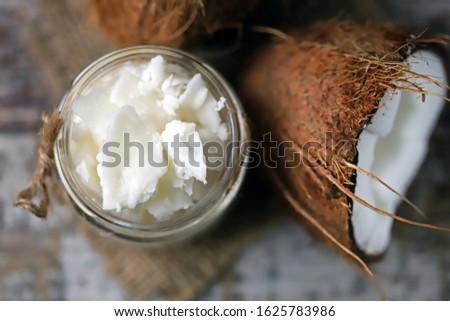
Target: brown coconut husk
323, 84
166, 22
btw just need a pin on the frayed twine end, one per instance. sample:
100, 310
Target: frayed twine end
42, 176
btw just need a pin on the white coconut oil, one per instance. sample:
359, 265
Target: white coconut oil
134, 152
124, 130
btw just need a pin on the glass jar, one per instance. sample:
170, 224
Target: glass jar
202, 214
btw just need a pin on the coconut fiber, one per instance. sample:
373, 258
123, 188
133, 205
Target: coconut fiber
166, 22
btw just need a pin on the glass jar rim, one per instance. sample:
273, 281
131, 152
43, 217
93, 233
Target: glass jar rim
210, 208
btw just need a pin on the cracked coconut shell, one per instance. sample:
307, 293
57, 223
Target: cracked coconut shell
317, 91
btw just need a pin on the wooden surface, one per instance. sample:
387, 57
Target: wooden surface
52, 260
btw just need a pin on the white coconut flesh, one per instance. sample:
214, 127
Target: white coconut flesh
393, 147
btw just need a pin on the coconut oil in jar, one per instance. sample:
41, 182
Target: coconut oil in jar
150, 147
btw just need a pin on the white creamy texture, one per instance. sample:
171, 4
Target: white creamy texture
153, 102
392, 147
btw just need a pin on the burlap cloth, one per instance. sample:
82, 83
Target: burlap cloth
64, 40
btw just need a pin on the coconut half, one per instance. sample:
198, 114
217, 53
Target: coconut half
393, 147
357, 104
